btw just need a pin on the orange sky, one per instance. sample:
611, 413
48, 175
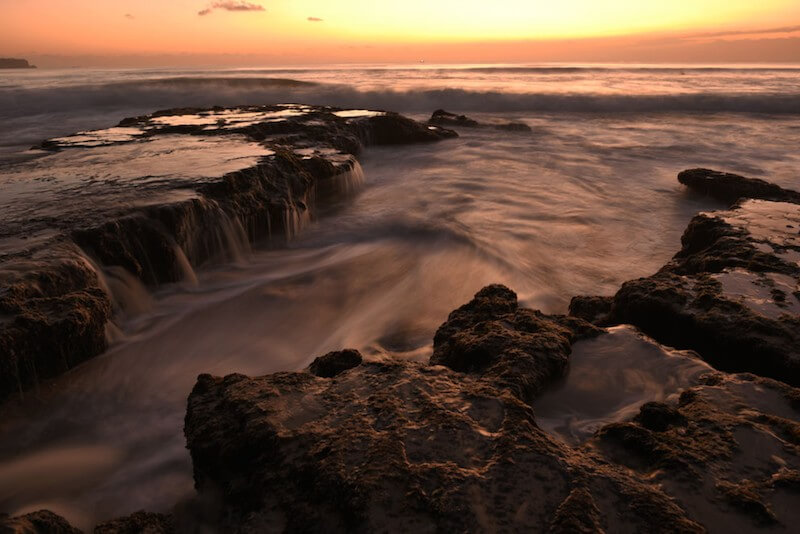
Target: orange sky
236, 32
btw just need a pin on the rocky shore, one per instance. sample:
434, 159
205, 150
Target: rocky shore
165, 193
358, 445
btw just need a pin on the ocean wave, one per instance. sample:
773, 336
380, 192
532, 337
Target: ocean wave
148, 95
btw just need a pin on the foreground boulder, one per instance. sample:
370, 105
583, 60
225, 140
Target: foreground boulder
732, 293
441, 117
207, 183
403, 446
453, 446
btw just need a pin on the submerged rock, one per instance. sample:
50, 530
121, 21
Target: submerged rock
731, 187
445, 118
164, 193
402, 446
732, 293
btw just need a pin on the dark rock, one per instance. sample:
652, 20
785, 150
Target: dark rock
53, 308
731, 187
520, 348
56, 315
12, 63
590, 308
729, 293
445, 118
138, 523
334, 363
712, 451
658, 416
402, 446
41, 522
578, 514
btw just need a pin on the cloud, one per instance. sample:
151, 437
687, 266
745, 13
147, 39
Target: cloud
314, 19
231, 6
784, 29
129, 16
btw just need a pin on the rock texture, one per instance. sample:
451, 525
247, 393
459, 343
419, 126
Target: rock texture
41, 522
728, 451
207, 182
731, 187
441, 117
401, 446
732, 293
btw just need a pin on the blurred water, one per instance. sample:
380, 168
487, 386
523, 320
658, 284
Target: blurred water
578, 206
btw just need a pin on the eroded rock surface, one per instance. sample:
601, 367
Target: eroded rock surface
403, 446
732, 293
728, 451
153, 197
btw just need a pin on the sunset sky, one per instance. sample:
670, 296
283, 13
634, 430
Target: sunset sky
129, 32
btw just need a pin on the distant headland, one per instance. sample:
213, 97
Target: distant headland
11, 63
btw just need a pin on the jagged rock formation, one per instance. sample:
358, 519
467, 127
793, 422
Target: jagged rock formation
733, 291
454, 445
441, 117
373, 447
166, 192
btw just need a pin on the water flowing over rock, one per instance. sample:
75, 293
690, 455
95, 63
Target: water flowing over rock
732, 293
164, 193
400, 446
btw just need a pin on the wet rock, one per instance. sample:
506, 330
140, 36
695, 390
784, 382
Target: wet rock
334, 363
578, 513
206, 184
731, 187
41, 522
53, 313
374, 449
138, 523
730, 293
445, 118
591, 308
723, 451
658, 416
491, 335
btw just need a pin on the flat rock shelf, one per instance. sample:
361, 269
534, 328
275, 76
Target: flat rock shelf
152, 198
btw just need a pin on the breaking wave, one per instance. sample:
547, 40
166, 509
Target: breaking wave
147, 95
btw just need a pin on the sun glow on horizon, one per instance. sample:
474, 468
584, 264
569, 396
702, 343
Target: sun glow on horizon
311, 28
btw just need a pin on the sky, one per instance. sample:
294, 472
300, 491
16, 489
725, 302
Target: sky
238, 32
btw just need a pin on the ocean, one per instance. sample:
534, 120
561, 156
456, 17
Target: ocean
585, 201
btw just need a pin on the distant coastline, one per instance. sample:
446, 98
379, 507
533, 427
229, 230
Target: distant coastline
12, 63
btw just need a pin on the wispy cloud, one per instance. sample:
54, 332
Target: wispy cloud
231, 6
734, 33
314, 19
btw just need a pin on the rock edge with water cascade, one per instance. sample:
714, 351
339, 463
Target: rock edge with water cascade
56, 267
